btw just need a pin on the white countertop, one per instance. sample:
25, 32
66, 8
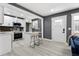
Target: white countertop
32, 32
8, 32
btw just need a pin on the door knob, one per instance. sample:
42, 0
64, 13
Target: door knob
63, 30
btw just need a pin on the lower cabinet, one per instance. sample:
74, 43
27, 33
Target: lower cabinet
5, 43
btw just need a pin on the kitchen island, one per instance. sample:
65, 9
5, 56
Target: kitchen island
28, 36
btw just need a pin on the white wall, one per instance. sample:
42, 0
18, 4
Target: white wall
1, 14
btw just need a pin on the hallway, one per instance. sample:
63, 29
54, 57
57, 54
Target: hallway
47, 48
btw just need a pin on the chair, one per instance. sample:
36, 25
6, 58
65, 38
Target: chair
74, 42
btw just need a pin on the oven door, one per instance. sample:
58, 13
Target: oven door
17, 36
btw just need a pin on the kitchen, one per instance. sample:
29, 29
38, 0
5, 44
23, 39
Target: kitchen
41, 29
13, 26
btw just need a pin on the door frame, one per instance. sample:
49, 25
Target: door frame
65, 26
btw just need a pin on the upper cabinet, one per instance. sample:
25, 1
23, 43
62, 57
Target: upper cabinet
1, 15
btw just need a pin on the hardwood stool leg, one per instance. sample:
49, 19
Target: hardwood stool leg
37, 41
32, 42
41, 40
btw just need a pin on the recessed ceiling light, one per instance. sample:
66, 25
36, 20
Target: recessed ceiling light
52, 10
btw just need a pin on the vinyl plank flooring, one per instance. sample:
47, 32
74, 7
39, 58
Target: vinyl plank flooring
47, 48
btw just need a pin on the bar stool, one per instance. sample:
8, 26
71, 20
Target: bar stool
32, 42
35, 40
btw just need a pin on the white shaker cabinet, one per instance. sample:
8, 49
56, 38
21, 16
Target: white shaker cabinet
5, 43
1, 15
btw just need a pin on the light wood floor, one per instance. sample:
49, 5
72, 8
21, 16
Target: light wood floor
47, 48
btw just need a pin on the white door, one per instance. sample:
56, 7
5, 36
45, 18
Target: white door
59, 29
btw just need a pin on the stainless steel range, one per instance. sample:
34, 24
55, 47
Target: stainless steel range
17, 31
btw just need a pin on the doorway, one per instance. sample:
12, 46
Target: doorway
59, 29
27, 27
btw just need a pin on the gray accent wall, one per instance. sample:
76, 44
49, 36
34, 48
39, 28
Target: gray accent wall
39, 24
47, 27
68, 32
47, 22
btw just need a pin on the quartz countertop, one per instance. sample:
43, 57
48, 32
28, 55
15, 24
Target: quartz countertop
7, 32
31, 32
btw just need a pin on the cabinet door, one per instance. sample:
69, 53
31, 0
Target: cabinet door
1, 15
5, 43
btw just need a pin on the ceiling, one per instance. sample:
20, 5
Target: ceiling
46, 9
12, 10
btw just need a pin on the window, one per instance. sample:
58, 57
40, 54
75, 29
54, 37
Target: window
8, 21
35, 24
76, 23
58, 21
